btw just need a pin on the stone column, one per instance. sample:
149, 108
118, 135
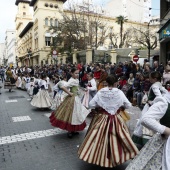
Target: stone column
59, 58
89, 54
75, 56
64, 56
34, 62
49, 60
113, 55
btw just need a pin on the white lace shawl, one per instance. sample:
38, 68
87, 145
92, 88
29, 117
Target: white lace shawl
110, 100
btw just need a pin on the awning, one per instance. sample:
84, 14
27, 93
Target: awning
164, 26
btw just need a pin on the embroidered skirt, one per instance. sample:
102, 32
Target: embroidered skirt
150, 157
107, 142
70, 115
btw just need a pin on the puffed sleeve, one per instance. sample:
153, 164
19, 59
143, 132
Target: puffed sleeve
151, 118
93, 103
93, 84
126, 102
157, 90
71, 82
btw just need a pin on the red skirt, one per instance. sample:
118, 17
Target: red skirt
62, 117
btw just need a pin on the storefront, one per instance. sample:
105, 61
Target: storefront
164, 38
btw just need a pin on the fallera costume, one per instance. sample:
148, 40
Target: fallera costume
71, 114
60, 96
42, 98
18, 82
155, 155
10, 81
141, 134
108, 142
90, 93
102, 81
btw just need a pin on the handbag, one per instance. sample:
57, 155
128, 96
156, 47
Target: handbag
145, 98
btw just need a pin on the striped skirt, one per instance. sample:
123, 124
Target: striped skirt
107, 142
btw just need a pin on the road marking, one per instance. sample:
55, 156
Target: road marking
47, 115
31, 135
21, 118
11, 101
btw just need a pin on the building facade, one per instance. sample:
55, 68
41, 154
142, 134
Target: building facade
33, 35
164, 31
10, 48
142, 12
2, 47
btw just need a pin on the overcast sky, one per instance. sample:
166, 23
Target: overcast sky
8, 11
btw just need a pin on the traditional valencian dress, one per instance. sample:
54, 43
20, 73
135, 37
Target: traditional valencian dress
42, 98
71, 114
90, 93
155, 155
18, 82
60, 96
108, 142
141, 134
102, 80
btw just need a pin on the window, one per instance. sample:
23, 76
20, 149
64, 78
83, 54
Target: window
51, 22
56, 22
24, 13
36, 43
24, 6
56, 6
46, 21
47, 41
46, 4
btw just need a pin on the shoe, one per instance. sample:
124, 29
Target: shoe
75, 133
69, 135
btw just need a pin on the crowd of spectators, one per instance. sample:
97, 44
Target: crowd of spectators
133, 78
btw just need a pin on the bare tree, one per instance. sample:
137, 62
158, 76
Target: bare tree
145, 38
82, 26
126, 38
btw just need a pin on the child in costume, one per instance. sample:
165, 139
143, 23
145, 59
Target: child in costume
71, 114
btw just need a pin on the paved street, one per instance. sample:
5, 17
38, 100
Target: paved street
29, 142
